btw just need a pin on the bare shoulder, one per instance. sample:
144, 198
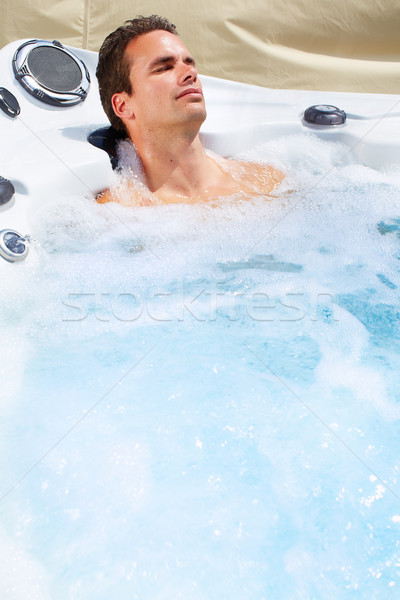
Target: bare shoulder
126, 193
104, 197
257, 177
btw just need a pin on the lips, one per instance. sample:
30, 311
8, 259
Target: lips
190, 91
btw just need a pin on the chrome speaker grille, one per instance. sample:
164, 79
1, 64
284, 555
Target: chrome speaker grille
51, 73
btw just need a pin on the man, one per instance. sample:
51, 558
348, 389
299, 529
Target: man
149, 87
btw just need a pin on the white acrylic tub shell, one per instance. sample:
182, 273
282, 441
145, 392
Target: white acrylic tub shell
46, 155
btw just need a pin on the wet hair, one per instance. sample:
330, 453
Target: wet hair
113, 67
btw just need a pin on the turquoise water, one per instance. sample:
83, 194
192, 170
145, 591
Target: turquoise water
202, 402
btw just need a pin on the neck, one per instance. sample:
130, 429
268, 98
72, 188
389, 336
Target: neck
175, 165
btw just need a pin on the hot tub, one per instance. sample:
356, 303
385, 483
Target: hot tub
202, 401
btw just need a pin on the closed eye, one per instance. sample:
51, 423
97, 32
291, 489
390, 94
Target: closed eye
161, 63
164, 63
163, 68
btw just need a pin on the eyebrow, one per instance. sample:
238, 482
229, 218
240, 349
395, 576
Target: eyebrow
162, 60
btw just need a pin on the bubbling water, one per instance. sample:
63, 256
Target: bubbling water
202, 400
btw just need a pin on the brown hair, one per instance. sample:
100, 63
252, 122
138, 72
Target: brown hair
113, 68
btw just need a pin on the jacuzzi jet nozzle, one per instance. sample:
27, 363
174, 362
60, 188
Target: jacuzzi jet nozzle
7, 190
13, 246
324, 114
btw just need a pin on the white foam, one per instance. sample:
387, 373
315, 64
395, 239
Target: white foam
21, 574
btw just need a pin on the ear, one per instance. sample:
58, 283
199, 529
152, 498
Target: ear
122, 105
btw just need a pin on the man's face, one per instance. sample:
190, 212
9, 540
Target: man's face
166, 89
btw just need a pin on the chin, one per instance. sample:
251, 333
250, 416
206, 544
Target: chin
197, 113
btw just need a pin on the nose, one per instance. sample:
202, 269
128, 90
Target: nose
189, 73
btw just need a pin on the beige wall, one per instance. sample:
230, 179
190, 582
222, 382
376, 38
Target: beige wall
347, 45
